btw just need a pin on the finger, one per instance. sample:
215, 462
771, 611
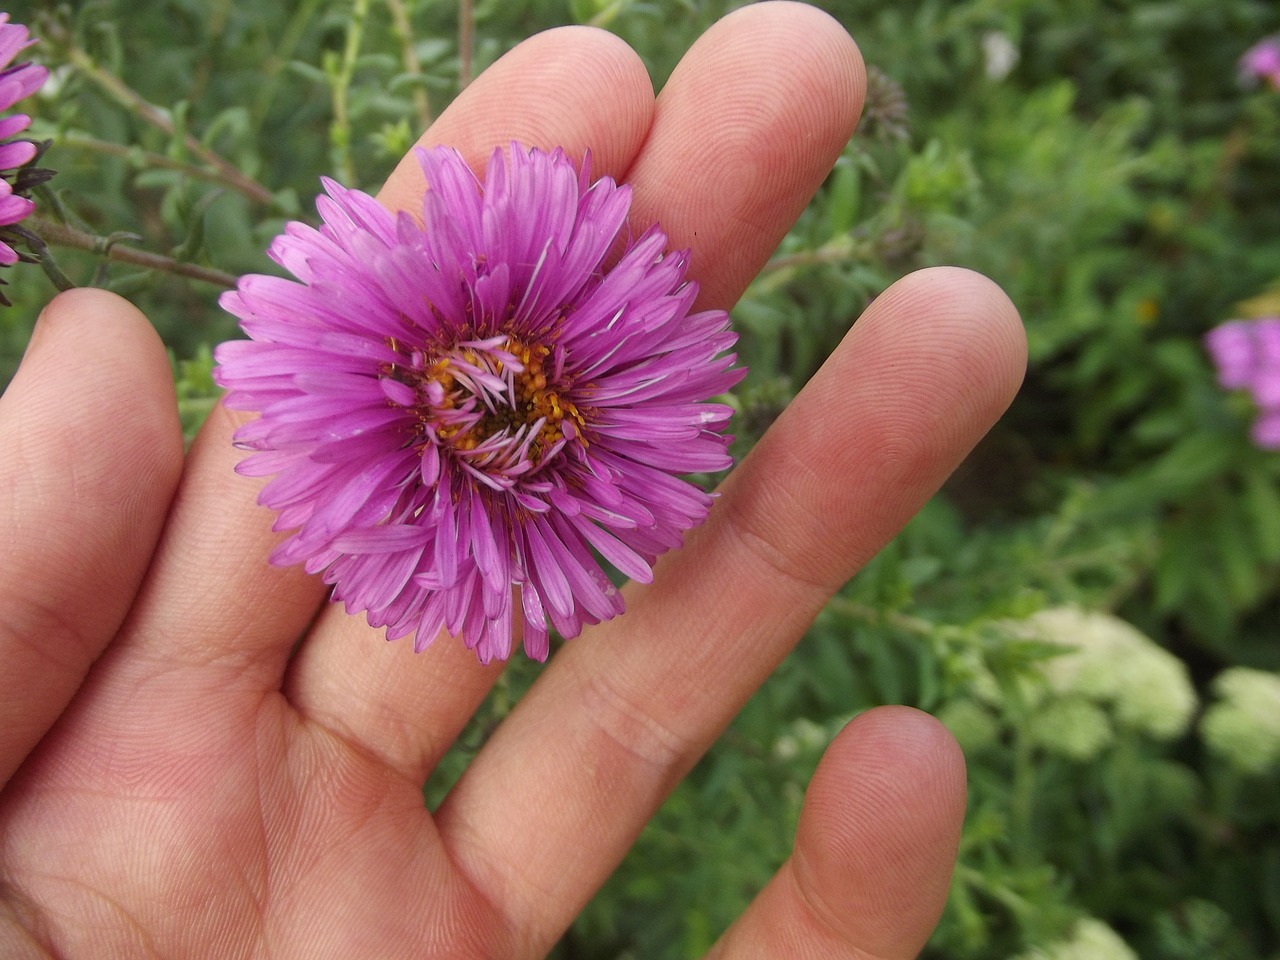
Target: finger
210, 601
874, 851
213, 558
333, 678
574, 88
746, 130
92, 453
621, 715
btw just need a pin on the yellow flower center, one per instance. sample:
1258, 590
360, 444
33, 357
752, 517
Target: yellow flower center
494, 401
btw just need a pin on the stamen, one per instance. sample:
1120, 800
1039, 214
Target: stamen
492, 403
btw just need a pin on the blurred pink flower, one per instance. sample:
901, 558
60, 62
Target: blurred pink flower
1246, 354
16, 82
1262, 62
12, 210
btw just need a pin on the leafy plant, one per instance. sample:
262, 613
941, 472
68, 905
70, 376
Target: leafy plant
1104, 161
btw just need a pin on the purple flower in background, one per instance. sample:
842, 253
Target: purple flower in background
1247, 356
1262, 62
12, 210
16, 82
479, 400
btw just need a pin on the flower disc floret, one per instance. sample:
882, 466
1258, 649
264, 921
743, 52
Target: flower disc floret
461, 411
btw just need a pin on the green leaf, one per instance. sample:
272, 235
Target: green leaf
1262, 501
844, 199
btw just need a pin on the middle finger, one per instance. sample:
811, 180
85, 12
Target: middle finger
574, 88
742, 135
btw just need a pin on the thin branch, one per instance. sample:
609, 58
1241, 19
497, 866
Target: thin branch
62, 235
893, 618
144, 158
809, 258
133, 101
466, 42
340, 129
409, 57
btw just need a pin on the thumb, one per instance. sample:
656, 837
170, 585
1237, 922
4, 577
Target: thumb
874, 851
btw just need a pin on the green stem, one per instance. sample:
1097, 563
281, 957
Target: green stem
1022, 797
892, 618
273, 68
466, 42
340, 131
60, 234
783, 269
144, 158
608, 14
127, 97
409, 57
808, 258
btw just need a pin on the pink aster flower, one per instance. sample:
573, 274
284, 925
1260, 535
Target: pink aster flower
1262, 62
1247, 356
16, 82
461, 410
12, 210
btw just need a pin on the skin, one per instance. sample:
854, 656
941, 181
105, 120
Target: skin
203, 759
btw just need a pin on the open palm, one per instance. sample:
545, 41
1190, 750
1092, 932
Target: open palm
205, 760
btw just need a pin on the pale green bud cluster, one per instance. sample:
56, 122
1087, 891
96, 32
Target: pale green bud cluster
804, 736
1108, 663
970, 668
1073, 727
1090, 940
1243, 726
972, 725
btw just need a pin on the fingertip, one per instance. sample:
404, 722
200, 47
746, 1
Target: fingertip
93, 452
111, 360
932, 363
747, 128
830, 53
874, 850
881, 758
971, 308
92, 415
70, 306
578, 88
879, 830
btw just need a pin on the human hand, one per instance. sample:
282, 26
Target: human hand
240, 771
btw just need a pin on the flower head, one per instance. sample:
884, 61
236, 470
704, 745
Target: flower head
478, 399
1089, 939
1247, 356
1243, 725
13, 209
1000, 53
1072, 727
1114, 664
16, 82
1262, 62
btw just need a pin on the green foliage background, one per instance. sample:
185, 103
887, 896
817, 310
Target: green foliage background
1115, 176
